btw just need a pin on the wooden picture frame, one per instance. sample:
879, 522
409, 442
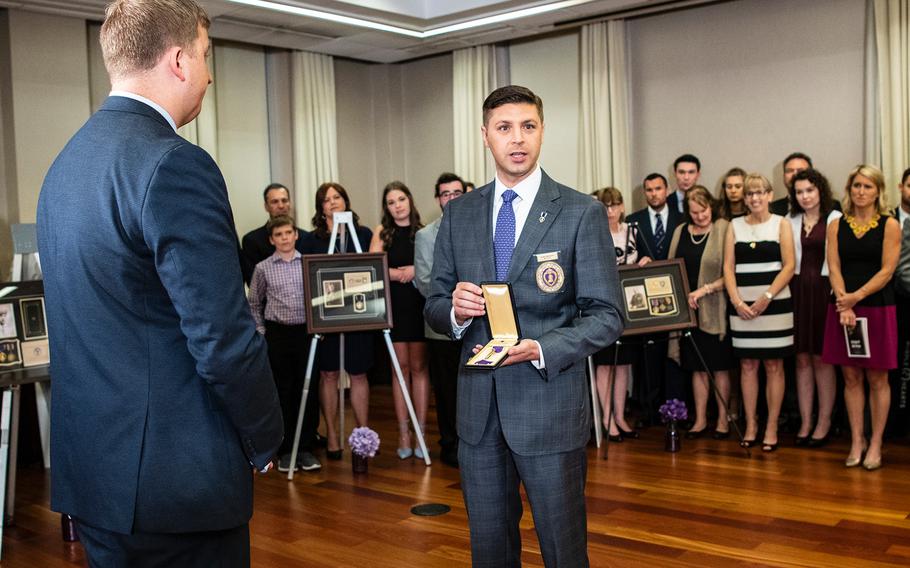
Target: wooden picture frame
33, 318
655, 297
347, 292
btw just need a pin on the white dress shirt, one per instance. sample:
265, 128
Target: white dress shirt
680, 199
148, 102
521, 205
664, 216
902, 216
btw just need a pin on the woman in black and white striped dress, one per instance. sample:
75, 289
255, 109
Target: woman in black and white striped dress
758, 264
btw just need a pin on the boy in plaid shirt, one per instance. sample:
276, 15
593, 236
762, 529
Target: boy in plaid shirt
277, 303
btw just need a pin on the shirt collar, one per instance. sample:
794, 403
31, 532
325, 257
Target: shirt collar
525, 188
655, 212
148, 102
276, 257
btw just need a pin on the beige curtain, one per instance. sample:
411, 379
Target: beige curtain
603, 132
314, 129
474, 76
203, 130
892, 51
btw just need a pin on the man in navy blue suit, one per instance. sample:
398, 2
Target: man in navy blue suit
164, 403
660, 378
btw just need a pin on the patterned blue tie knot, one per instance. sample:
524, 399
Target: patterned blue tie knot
504, 238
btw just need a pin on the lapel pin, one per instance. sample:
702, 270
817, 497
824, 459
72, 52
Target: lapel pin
543, 216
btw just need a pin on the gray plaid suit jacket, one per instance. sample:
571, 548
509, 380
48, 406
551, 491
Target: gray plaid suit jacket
542, 411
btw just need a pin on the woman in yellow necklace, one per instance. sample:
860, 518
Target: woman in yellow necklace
861, 326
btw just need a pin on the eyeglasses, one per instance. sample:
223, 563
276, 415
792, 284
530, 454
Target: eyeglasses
446, 194
751, 194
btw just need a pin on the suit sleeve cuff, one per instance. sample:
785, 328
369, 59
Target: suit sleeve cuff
458, 330
539, 364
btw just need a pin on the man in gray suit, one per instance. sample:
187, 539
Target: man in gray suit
445, 353
529, 420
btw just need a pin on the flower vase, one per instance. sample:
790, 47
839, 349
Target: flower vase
359, 463
672, 439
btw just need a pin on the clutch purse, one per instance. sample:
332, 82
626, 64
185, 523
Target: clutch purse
502, 319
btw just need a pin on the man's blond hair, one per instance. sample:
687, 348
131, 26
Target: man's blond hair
136, 33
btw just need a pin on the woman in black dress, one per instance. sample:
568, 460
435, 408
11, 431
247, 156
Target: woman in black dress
332, 198
811, 211
610, 363
863, 248
700, 243
395, 235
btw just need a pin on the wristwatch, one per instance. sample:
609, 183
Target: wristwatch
769, 295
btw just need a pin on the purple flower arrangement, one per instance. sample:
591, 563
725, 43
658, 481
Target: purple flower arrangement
673, 410
364, 442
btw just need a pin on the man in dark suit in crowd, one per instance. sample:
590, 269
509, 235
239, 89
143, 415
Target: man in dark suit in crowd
793, 164
686, 170
164, 403
899, 422
660, 377
527, 421
256, 246
657, 221
444, 352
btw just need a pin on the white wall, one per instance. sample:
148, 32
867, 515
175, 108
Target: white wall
549, 67
745, 83
243, 130
50, 95
394, 123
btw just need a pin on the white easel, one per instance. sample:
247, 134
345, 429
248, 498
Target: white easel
339, 222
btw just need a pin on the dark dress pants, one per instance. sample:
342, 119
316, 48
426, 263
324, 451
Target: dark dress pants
289, 347
555, 485
445, 360
216, 549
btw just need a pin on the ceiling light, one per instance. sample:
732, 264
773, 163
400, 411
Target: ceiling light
360, 22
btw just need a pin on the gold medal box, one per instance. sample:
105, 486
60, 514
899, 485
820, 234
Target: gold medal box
502, 319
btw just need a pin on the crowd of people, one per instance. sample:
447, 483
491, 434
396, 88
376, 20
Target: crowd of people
802, 278
770, 281
271, 262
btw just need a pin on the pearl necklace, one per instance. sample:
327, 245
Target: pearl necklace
701, 240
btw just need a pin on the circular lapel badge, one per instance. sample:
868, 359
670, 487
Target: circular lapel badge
550, 277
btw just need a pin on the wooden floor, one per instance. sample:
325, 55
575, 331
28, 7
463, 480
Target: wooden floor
709, 505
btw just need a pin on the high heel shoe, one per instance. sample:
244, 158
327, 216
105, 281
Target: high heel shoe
334, 455
747, 443
802, 441
872, 465
818, 442
631, 434
418, 453
718, 435
616, 438
766, 447
853, 462
695, 434
404, 450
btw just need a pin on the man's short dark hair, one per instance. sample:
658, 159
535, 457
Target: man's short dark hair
905, 176
688, 159
653, 176
279, 221
798, 156
511, 94
270, 187
448, 177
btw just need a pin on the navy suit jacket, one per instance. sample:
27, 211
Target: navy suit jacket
546, 411
163, 395
644, 237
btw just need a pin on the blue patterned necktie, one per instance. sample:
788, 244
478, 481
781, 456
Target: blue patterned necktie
504, 239
659, 235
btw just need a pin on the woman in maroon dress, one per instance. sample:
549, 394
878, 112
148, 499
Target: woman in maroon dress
811, 211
